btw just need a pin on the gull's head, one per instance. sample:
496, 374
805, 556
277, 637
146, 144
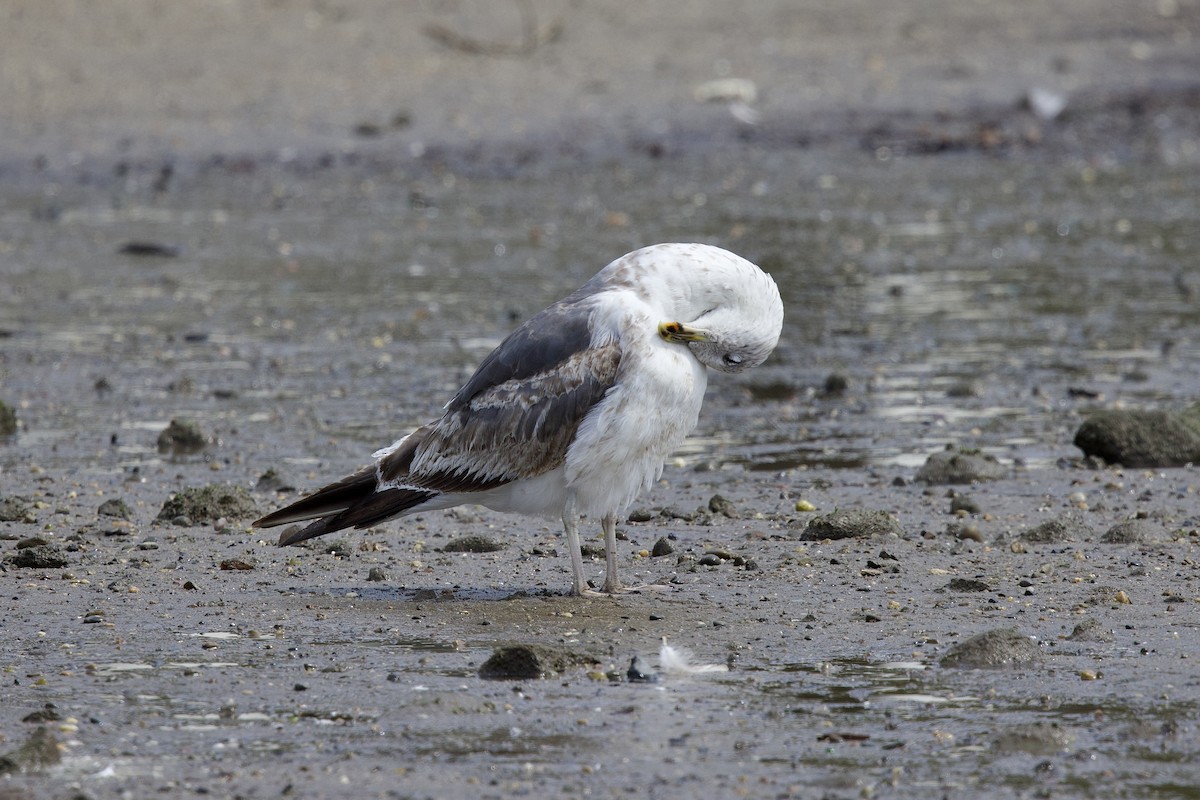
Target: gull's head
724, 309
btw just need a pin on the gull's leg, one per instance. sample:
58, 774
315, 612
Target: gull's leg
612, 584
570, 519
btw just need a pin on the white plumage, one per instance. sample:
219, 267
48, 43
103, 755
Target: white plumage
575, 412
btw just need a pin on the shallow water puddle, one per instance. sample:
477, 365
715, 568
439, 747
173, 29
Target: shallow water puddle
118, 668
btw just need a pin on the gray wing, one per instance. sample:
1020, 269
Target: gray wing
518, 414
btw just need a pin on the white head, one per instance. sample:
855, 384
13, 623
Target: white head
726, 310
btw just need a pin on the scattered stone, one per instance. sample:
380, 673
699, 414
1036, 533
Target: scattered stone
274, 481
41, 556
804, 506
964, 503
473, 544
835, 385
36, 753
1036, 738
1003, 647
48, 713
964, 389
852, 523
671, 512
147, 249
1090, 630
208, 503
531, 661
114, 507
377, 575
464, 515
955, 466
8, 420
709, 560
182, 437
16, 509
967, 531
1142, 438
338, 548
965, 585
236, 564
662, 547
723, 506
591, 550
641, 515
1067, 528
640, 672
1132, 531
771, 391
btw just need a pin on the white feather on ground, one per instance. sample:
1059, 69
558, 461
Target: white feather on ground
678, 661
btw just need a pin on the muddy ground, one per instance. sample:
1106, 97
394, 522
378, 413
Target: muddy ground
299, 227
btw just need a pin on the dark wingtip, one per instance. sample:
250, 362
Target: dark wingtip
297, 534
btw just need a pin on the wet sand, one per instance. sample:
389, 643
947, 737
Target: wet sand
334, 215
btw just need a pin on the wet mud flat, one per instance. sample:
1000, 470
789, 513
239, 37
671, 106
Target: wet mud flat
948, 282
166, 654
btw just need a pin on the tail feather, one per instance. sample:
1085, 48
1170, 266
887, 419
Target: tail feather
352, 502
325, 502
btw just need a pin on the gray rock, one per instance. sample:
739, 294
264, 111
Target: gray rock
723, 506
473, 544
1090, 630
1036, 738
114, 507
1003, 647
662, 547
954, 467
1142, 438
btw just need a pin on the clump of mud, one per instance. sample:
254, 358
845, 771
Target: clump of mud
8, 420
182, 437
1067, 528
207, 504
851, 523
531, 661
960, 466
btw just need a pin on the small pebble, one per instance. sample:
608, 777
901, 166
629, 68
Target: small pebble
640, 672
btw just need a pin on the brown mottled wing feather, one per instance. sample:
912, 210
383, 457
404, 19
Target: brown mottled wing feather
518, 414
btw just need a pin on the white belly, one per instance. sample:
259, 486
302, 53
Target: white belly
619, 450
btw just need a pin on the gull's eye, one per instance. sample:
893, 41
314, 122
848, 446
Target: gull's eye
732, 359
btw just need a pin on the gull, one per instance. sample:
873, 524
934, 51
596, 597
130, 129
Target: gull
575, 412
